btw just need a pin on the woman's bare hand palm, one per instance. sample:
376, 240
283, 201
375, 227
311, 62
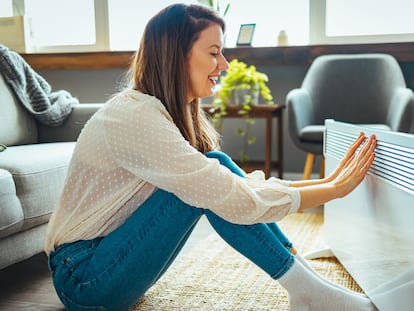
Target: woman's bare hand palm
354, 166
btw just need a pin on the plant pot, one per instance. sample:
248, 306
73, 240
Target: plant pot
244, 96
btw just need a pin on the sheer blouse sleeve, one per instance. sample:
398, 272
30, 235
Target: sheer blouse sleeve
145, 141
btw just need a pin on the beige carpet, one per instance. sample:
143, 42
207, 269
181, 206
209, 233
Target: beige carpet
212, 276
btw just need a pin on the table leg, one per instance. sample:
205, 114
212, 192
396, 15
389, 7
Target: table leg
268, 147
280, 144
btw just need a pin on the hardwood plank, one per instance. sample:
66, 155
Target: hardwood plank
28, 287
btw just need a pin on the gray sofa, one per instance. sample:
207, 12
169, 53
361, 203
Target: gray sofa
32, 172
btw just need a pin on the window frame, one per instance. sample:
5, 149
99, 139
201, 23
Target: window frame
317, 30
101, 34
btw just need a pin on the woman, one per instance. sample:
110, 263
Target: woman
146, 167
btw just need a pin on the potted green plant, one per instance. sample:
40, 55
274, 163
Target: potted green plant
244, 86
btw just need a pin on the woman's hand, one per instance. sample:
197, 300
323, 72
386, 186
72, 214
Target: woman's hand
346, 177
347, 158
344, 162
352, 169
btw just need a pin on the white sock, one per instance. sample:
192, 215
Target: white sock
305, 263
307, 292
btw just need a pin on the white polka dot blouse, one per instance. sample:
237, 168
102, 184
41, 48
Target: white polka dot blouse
130, 148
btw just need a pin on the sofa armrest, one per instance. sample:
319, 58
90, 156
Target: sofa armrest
71, 128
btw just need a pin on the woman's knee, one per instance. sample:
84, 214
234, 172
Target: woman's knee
226, 161
219, 155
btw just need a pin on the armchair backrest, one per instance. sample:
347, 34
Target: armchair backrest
17, 126
357, 88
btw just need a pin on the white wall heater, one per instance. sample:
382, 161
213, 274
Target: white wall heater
371, 231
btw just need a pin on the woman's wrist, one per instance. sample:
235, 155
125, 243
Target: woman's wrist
315, 195
308, 182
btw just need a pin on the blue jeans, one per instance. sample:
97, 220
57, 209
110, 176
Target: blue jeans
113, 272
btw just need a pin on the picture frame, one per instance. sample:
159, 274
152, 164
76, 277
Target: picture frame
245, 36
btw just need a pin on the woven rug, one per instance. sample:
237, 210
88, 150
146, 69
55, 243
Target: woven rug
212, 276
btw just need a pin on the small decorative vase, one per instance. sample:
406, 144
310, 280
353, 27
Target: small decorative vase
239, 97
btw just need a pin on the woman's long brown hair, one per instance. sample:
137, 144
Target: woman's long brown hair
160, 68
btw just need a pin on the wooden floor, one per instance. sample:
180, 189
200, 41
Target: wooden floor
28, 286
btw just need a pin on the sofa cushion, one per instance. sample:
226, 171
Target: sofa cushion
11, 212
17, 126
38, 172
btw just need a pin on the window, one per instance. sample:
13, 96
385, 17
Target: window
270, 18
6, 9
60, 16
75, 25
127, 20
356, 21
61, 25
102, 25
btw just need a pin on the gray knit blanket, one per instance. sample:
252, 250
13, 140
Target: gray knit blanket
33, 91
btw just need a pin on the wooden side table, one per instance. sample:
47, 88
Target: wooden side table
267, 112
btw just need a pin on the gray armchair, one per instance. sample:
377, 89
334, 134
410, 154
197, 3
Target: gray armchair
366, 89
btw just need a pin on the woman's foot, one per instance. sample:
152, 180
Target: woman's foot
305, 263
308, 292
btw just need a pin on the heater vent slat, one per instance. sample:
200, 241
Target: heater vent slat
393, 163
